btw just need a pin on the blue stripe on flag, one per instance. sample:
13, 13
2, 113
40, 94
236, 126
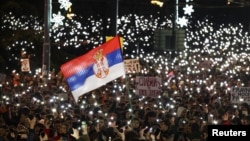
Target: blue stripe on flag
77, 80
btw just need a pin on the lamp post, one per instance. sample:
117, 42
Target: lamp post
46, 44
113, 8
176, 16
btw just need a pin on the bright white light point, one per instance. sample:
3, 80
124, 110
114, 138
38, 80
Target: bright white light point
91, 112
57, 19
65, 4
118, 98
188, 9
182, 21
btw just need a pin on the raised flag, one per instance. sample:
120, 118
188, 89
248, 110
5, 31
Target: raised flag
95, 68
170, 75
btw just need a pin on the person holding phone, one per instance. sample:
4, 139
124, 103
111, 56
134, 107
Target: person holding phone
82, 134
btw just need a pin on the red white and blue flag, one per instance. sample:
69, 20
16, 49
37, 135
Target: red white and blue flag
95, 68
170, 75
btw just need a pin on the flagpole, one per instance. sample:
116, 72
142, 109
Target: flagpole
46, 44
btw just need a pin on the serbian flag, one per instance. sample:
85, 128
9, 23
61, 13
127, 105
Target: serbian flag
95, 68
170, 75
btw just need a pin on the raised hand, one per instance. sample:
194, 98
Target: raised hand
75, 133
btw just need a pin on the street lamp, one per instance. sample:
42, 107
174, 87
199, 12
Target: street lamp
64, 4
46, 44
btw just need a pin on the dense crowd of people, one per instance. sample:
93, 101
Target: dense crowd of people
34, 108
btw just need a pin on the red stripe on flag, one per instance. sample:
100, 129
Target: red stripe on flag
80, 63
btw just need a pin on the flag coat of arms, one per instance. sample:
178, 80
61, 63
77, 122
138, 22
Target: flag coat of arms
95, 68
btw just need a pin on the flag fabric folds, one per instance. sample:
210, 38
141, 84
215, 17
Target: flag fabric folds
95, 68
